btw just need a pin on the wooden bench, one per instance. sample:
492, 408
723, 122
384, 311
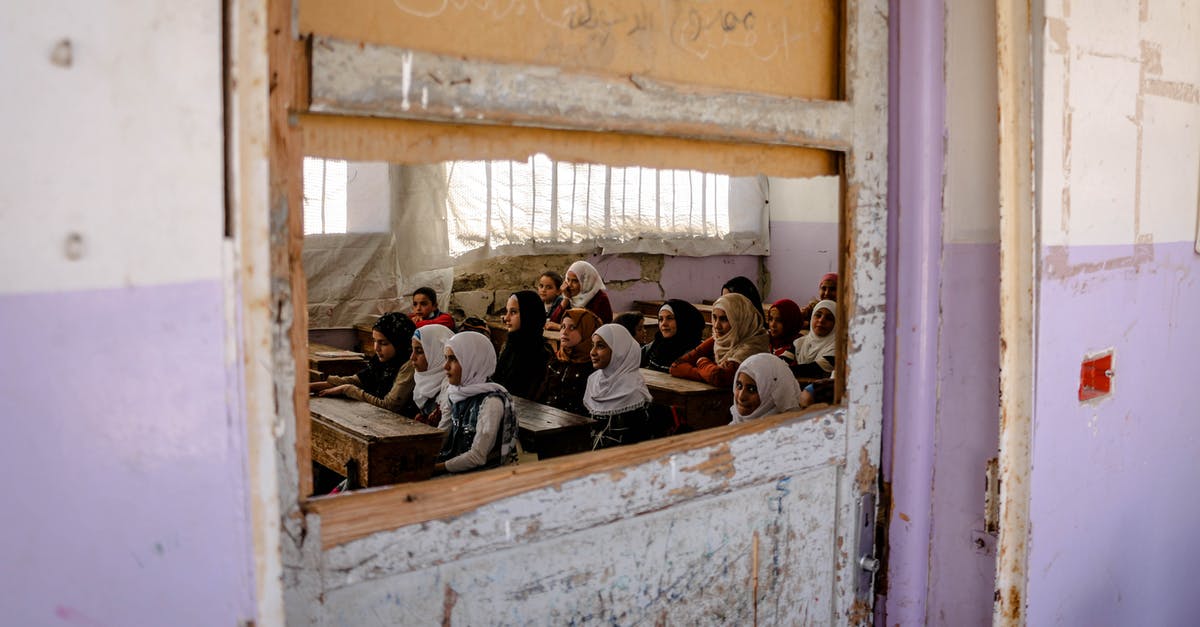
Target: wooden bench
370, 445
331, 360
551, 432
701, 404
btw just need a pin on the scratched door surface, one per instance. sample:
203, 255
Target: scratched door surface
760, 523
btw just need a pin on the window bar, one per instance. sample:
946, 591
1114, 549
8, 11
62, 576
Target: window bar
324, 181
607, 199
533, 196
704, 203
574, 177
553, 201
658, 199
587, 201
511, 204
487, 225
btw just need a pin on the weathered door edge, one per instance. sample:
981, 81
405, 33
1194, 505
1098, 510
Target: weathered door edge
1018, 301
864, 305
250, 323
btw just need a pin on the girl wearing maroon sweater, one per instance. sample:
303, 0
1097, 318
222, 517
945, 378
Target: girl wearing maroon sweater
582, 289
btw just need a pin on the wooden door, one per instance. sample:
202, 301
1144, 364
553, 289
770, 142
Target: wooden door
762, 522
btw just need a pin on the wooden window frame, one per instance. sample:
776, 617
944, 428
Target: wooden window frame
306, 121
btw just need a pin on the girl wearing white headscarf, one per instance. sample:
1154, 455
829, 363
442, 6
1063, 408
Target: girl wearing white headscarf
738, 333
481, 422
429, 358
583, 289
616, 395
764, 386
817, 351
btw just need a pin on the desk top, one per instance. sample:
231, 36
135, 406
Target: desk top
325, 351
367, 420
663, 381
538, 416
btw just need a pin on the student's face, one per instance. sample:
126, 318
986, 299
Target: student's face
383, 347
726, 290
570, 335
666, 323
822, 322
418, 356
745, 394
774, 323
453, 368
720, 322
601, 352
547, 289
512, 314
422, 306
571, 286
827, 290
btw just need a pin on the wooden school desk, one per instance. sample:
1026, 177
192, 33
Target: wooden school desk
331, 360
369, 444
551, 432
703, 405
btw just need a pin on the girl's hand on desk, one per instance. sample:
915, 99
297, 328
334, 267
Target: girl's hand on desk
335, 391
318, 386
552, 326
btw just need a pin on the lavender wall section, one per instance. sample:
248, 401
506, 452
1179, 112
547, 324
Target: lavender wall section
693, 279
125, 466
961, 555
915, 159
800, 253
1113, 502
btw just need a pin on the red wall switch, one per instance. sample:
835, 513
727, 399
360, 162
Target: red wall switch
1095, 376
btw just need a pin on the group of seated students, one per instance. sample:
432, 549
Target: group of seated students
456, 381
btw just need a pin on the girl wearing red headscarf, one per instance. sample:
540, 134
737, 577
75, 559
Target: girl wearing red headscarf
784, 322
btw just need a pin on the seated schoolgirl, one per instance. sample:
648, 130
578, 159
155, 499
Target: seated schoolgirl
783, 327
567, 373
826, 290
764, 386
387, 381
582, 289
737, 334
680, 327
549, 289
745, 287
425, 309
522, 364
480, 421
632, 321
816, 352
429, 378
616, 396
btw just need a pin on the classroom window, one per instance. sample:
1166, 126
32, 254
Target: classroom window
493, 204
325, 183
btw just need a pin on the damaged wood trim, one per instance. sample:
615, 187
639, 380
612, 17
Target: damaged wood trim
1018, 300
414, 141
352, 516
349, 78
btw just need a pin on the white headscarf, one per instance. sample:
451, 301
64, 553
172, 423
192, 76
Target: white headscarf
618, 387
477, 357
777, 388
429, 384
811, 348
590, 283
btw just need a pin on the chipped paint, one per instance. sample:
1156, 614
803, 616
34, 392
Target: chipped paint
678, 524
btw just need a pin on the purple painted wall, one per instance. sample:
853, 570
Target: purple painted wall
915, 162
801, 252
693, 279
125, 460
1113, 505
962, 560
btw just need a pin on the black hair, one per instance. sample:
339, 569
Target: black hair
428, 293
631, 320
556, 277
